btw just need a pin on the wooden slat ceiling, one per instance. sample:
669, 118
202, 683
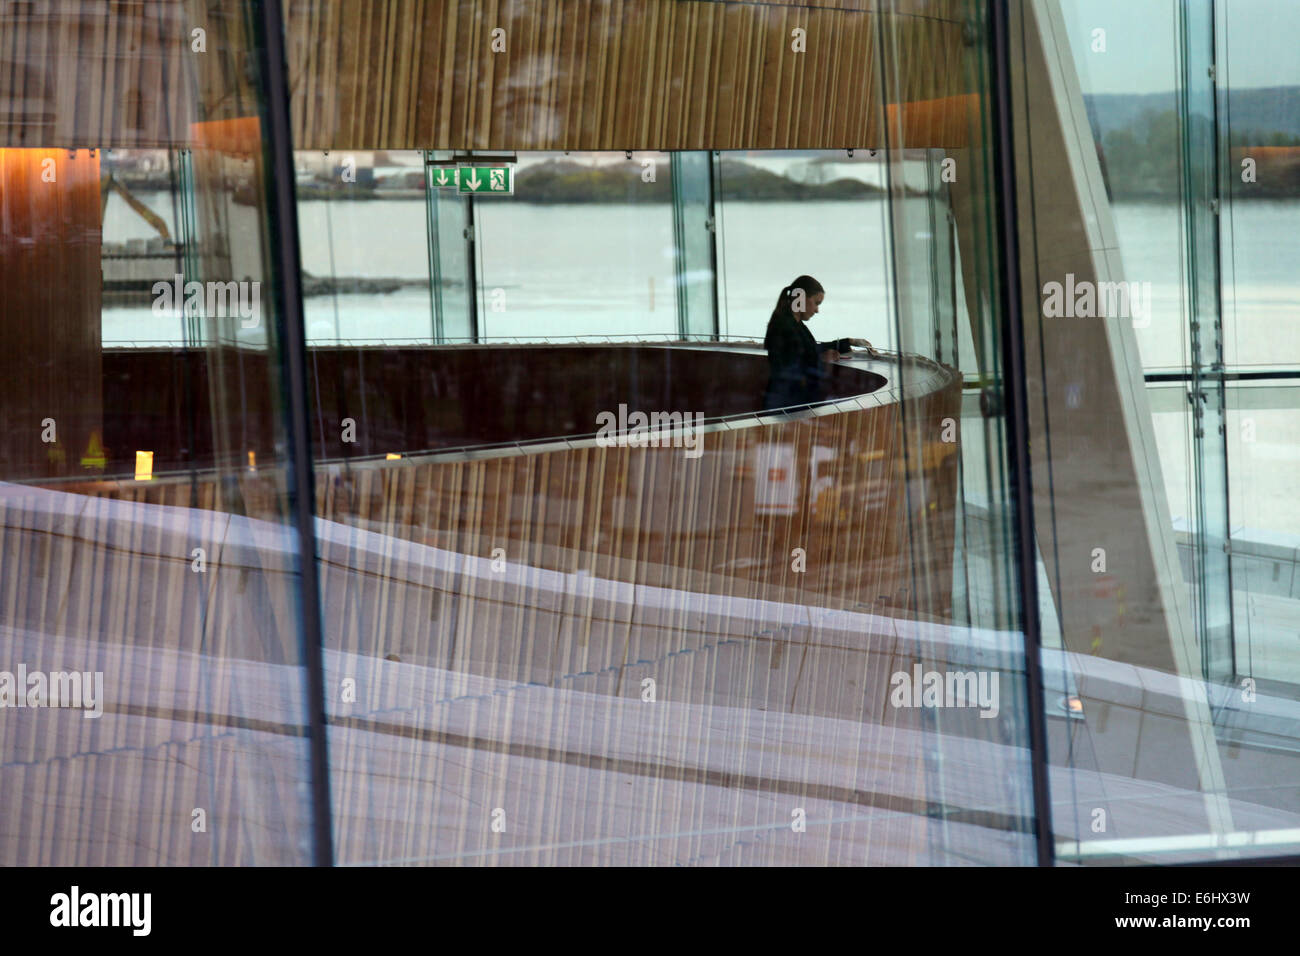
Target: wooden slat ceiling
574, 74
603, 74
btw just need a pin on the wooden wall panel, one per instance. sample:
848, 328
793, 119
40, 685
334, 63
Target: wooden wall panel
119, 73
406, 74
50, 366
607, 74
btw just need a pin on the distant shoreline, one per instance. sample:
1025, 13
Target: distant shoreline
808, 194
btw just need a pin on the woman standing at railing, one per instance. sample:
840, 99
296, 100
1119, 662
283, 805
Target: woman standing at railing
796, 361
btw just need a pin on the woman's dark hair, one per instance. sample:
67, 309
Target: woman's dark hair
784, 311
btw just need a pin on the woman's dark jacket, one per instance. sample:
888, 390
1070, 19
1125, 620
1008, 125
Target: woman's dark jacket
795, 375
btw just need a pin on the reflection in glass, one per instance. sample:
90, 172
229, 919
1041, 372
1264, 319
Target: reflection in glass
150, 603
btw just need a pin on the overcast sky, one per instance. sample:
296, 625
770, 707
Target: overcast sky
1262, 43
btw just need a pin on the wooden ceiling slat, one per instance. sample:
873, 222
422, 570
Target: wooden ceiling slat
576, 74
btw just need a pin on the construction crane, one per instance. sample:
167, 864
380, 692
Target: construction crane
109, 181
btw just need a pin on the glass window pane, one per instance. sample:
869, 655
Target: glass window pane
1179, 707
562, 643
365, 258
608, 272
150, 605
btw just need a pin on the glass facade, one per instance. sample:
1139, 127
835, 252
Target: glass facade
1146, 429
397, 472
154, 710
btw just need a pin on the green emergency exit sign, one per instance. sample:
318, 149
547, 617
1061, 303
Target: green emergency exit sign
446, 177
490, 180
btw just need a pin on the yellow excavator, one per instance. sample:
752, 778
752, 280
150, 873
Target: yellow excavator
109, 181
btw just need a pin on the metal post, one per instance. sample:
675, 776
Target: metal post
1017, 414
282, 234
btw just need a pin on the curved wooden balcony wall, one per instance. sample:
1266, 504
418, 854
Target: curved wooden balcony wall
418, 398
832, 482
617, 564
499, 451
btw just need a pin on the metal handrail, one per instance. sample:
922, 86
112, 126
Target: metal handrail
610, 339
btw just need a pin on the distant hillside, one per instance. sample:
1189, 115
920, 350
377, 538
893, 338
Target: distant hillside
567, 181
1273, 109
1138, 136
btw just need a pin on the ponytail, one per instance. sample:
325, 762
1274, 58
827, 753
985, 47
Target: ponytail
784, 311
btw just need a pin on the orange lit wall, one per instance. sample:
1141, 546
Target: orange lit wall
50, 234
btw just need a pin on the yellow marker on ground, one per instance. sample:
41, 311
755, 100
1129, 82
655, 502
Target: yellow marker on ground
95, 456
